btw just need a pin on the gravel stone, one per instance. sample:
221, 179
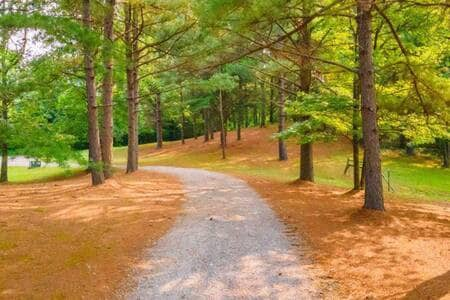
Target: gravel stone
228, 244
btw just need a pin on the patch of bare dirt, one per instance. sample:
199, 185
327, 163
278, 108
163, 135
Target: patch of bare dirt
68, 239
403, 253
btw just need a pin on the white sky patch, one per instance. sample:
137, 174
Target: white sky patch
35, 42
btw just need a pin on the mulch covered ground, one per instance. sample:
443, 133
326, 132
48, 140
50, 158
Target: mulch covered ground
403, 253
68, 239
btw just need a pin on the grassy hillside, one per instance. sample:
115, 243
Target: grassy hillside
256, 155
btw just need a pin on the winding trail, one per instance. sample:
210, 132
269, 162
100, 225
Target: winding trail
228, 244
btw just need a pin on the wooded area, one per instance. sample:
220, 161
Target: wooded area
93, 74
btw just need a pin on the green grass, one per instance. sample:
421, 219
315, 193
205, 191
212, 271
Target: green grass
419, 178
25, 175
413, 178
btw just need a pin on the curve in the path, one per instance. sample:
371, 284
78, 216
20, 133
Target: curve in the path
228, 244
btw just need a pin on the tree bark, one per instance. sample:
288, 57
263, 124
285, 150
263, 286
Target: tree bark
183, 119
106, 134
4, 144
239, 112
247, 120
211, 125
445, 153
282, 152
272, 104
131, 42
158, 122
363, 171
355, 118
194, 126
222, 126
206, 125
355, 138
262, 123
93, 132
306, 150
4, 170
373, 198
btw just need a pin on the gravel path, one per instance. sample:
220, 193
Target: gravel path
228, 244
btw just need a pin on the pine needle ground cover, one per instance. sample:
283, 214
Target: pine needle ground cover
66, 239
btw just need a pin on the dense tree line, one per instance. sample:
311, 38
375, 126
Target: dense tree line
122, 73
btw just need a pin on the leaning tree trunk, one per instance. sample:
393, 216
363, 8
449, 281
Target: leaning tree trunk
93, 132
158, 122
282, 152
306, 150
132, 86
106, 134
4, 145
373, 198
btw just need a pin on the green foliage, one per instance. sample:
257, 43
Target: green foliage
62, 29
319, 117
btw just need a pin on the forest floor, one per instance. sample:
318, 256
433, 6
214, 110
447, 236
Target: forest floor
402, 253
66, 239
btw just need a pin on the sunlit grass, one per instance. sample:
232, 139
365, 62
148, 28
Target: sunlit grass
419, 178
26, 175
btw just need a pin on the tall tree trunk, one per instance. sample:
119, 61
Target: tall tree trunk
222, 126
355, 119
272, 104
306, 150
239, 123
93, 132
4, 170
211, 125
206, 125
282, 152
255, 115
373, 198
158, 121
183, 119
106, 134
445, 153
262, 124
131, 42
239, 112
247, 118
363, 171
355, 138
194, 126
4, 144
355, 146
